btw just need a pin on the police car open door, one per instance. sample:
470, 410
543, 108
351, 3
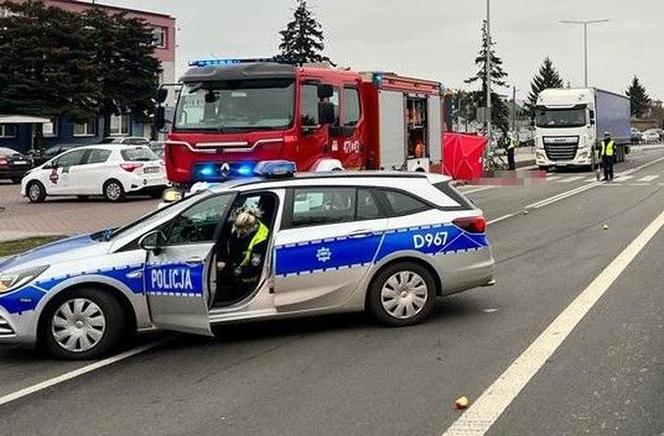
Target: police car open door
177, 274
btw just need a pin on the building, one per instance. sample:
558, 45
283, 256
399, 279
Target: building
59, 131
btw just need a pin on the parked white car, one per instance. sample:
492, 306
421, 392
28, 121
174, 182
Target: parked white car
651, 136
111, 170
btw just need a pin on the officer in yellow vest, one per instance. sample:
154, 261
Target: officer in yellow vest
607, 153
243, 254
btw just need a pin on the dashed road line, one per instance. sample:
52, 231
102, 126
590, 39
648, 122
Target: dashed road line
571, 179
649, 178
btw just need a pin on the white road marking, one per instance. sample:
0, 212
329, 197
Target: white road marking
571, 179
649, 178
623, 178
472, 191
552, 178
502, 218
486, 410
79, 372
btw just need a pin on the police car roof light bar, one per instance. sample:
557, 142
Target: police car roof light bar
275, 168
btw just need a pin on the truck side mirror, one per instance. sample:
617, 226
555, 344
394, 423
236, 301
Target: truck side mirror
325, 91
162, 95
592, 118
160, 118
326, 113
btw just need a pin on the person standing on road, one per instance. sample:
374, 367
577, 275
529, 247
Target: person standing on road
511, 149
607, 153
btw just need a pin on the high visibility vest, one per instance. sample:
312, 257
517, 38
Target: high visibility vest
511, 145
260, 236
607, 149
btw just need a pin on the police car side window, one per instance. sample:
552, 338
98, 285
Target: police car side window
199, 223
367, 205
401, 204
319, 206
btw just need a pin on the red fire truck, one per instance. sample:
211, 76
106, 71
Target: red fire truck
234, 113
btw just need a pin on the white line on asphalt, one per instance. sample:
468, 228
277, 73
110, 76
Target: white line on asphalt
623, 178
571, 179
502, 218
79, 372
648, 178
472, 191
552, 178
486, 410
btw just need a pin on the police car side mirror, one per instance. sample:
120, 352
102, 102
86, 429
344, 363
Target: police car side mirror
153, 241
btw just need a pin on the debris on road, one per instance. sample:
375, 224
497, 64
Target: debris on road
462, 403
606, 227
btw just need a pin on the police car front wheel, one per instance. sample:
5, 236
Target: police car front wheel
402, 294
85, 324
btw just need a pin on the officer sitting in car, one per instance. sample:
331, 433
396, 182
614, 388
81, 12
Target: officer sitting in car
242, 254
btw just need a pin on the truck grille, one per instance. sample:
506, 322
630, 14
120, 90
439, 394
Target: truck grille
561, 151
6, 330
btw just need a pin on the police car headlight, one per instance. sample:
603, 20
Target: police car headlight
10, 281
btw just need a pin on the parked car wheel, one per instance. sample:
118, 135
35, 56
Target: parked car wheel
402, 294
84, 324
114, 191
36, 192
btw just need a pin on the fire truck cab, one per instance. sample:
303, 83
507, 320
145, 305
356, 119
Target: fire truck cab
321, 118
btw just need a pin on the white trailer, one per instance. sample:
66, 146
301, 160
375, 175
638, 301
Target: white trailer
570, 122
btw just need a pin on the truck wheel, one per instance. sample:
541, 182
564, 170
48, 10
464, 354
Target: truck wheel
84, 324
114, 192
402, 294
543, 168
36, 192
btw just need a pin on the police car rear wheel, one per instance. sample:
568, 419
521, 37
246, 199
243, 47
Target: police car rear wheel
402, 294
113, 191
86, 324
36, 192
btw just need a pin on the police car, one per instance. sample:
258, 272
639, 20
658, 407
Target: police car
387, 243
111, 170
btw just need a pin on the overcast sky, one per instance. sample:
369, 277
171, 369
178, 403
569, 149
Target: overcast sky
438, 39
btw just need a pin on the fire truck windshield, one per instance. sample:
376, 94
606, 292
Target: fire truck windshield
236, 106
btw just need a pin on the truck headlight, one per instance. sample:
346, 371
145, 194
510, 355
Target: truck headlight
10, 281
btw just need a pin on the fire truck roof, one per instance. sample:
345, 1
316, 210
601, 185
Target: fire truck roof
240, 71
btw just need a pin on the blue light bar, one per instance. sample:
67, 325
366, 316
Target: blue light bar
222, 62
275, 168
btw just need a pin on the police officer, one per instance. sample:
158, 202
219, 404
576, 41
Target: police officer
511, 149
607, 153
243, 252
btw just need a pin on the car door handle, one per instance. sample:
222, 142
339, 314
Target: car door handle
192, 261
360, 233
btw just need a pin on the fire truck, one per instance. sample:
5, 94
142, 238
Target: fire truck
231, 114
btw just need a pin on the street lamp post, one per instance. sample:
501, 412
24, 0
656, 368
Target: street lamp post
487, 112
585, 24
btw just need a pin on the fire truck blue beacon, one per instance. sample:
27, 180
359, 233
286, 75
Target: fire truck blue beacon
388, 243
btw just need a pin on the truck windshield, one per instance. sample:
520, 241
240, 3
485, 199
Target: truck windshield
237, 105
553, 118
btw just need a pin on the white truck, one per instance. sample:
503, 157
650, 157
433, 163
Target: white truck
570, 122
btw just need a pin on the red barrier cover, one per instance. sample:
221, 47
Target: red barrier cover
462, 155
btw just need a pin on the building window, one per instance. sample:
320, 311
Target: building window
160, 37
120, 125
88, 128
50, 130
8, 131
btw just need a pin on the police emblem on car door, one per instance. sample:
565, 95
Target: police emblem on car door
177, 270
328, 245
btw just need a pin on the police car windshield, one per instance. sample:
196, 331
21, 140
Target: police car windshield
153, 217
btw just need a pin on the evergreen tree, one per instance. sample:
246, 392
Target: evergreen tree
302, 39
547, 77
46, 66
499, 111
638, 97
129, 73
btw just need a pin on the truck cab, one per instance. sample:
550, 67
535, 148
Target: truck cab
570, 122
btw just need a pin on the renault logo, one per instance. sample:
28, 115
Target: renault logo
225, 170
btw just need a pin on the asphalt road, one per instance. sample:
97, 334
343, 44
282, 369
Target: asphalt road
344, 375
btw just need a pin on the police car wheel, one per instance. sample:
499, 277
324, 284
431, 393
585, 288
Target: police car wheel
113, 191
36, 192
402, 294
85, 324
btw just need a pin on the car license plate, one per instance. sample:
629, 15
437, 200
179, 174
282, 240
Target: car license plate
151, 170
20, 162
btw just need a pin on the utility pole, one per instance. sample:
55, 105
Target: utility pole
585, 24
487, 110
514, 110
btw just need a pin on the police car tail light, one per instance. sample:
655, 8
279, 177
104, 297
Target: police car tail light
475, 224
131, 167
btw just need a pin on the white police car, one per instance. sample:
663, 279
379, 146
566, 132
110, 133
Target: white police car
387, 243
